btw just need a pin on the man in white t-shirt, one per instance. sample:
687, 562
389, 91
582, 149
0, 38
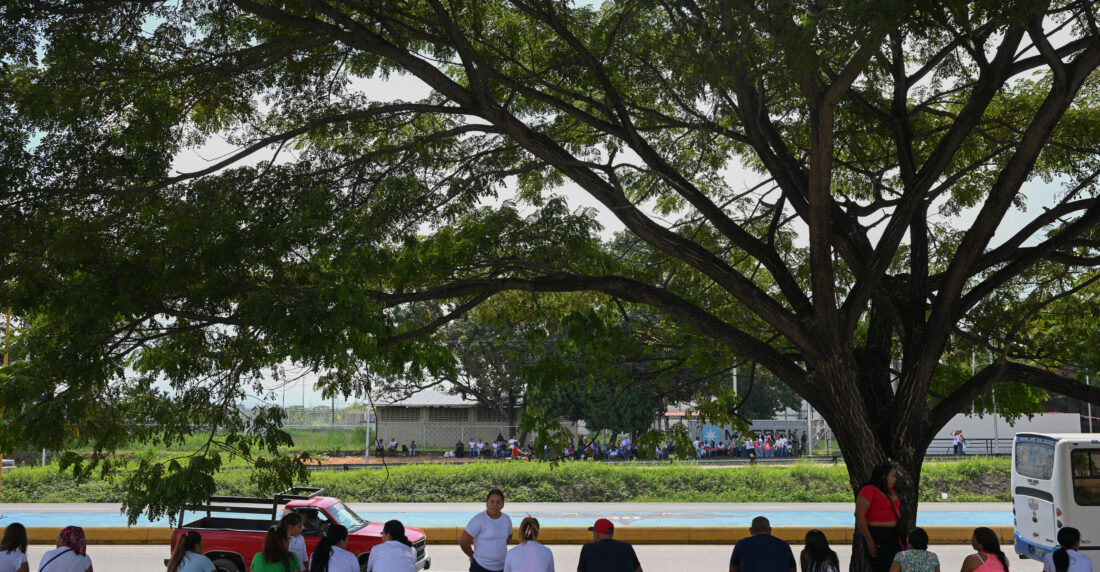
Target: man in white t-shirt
485, 539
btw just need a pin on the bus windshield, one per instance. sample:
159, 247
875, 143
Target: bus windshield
346, 517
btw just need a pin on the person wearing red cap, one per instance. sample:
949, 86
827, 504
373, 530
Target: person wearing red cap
605, 554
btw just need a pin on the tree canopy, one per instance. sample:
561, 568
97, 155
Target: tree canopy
894, 146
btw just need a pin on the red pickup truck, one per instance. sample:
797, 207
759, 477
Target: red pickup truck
233, 530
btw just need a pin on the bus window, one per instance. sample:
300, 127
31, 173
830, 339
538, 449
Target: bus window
1035, 460
1086, 476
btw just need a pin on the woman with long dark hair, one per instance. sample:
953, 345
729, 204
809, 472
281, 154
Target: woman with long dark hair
293, 523
989, 557
877, 514
1066, 558
276, 555
13, 549
331, 553
817, 556
188, 556
396, 553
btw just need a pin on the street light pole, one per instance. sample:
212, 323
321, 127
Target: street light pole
1090, 403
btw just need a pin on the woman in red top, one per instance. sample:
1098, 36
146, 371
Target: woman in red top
877, 510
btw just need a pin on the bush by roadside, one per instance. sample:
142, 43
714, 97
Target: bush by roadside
972, 480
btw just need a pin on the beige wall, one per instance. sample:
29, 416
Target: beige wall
438, 427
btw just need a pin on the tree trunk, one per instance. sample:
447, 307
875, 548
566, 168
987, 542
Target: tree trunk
868, 438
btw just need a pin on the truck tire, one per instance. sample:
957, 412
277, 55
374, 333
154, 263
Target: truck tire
226, 565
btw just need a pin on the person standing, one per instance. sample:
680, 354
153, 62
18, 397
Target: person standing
877, 516
71, 554
917, 558
529, 555
395, 554
605, 554
762, 552
294, 523
13, 549
1065, 559
485, 539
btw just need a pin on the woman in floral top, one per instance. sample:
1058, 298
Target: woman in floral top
917, 558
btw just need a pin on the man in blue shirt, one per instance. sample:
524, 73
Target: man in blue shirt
762, 552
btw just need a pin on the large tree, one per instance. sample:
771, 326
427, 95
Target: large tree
891, 140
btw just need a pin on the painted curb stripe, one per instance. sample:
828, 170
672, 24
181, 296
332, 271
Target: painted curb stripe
554, 534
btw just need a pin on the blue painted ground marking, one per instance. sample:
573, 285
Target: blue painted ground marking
621, 518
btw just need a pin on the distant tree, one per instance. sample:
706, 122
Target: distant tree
763, 395
487, 360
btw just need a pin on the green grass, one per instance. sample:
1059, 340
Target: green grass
974, 479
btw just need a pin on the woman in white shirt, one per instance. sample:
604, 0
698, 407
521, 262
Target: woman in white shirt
395, 554
13, 549
529, 555
485, 538
1067, 558
331, 554
71, 554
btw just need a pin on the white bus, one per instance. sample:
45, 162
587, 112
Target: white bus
1055, 483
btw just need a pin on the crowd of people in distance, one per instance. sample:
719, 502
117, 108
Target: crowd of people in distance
747, 445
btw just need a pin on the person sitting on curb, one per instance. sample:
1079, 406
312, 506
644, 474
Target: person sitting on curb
762, 552
605, 554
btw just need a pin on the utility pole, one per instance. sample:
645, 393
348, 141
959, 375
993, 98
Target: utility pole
7, 332
1090, 403
993, 396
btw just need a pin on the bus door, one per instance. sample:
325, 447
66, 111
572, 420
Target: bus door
1033, 495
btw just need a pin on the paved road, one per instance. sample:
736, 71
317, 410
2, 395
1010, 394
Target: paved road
445, 558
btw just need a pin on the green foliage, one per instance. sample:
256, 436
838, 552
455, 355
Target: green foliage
972, 480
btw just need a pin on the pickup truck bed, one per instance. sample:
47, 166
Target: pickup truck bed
232, 541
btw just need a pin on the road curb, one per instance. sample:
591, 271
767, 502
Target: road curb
554, 534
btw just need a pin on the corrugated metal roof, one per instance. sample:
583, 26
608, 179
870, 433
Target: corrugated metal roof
432, 397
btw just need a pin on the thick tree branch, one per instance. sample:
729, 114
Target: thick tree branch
629, 290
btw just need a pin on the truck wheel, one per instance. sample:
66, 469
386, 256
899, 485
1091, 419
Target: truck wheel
225, 565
